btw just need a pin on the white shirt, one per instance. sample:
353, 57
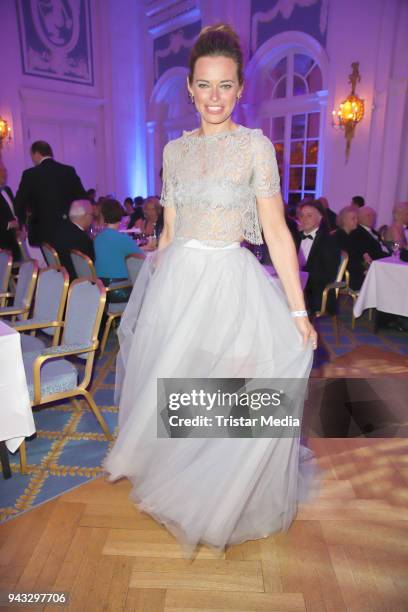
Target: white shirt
306, 246
10, 203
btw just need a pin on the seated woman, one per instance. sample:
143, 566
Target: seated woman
347, 240
396, 231
151, 211
128, 211
137, 212
111, 249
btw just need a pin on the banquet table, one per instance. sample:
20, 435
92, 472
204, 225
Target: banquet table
16, 417
385, 288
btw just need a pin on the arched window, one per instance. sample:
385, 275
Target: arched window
287, 103
169, 114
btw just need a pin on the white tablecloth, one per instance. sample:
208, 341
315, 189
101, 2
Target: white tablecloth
385, 288
16, 417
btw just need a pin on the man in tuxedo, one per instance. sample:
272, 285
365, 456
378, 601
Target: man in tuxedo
45, 194
319, 255
8, 220
72, 234
367, 238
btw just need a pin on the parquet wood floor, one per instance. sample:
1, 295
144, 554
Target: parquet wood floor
346, 551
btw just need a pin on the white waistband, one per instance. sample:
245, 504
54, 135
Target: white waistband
197, 244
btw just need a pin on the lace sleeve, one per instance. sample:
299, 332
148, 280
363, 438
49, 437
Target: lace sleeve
265, 177
167, 194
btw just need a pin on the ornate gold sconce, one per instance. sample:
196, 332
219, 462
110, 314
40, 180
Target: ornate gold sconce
5, 132
351, 111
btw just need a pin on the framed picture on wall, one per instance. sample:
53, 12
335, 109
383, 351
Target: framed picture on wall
56, 39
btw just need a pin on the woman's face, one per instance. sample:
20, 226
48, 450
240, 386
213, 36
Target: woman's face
150, 212
215, 88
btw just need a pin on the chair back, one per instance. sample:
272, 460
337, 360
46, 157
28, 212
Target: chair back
86, 302
25, 286
50, 255
83, 265
134, 262
51, 296
25, 255
342, 267
6, 263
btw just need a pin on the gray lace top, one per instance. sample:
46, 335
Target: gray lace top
213, 181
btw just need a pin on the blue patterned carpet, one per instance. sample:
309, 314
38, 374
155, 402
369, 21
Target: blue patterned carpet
69, 447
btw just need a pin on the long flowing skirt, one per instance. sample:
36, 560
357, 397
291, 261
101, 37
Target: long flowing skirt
198, 312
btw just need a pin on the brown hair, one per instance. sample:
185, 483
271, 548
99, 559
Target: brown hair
42, 147
217, 40
111, 210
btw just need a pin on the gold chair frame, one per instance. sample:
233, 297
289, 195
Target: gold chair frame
48, 246
81, 388
338, 285
110, 317
7, 277
58, 322
24, 312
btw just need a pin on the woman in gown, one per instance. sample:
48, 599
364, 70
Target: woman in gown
203, 307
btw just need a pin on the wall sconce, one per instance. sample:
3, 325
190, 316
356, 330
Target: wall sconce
5, 131
351, 111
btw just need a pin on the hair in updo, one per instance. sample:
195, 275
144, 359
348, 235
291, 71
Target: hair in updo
217, 40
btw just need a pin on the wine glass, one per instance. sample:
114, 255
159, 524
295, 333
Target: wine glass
396, 250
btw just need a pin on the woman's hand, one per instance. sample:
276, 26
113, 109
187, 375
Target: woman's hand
307, 331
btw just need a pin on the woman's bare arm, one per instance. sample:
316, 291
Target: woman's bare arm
167, 234
281, 248
284, 258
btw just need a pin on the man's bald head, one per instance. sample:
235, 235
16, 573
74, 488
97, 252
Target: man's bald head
367, 216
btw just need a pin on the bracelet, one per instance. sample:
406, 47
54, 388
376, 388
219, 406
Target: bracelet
299, 313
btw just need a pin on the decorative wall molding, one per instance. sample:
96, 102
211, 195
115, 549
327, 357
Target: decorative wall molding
276, 47
56, 40
177, 42
43, 95
285, 8
163, 17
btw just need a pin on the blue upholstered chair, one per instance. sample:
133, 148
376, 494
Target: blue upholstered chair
51, 377
6, 263
134, 262
84, 268
23, 296
49, 304
50, 255
83, 265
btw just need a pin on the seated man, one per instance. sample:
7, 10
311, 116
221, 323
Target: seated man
73, 235
111, 249
319, 255
8, 220
369, 240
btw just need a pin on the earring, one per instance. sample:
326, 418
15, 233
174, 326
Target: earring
191, 98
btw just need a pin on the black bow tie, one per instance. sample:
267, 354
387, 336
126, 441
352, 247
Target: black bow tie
304, 236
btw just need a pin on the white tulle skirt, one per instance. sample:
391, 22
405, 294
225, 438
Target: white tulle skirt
199, 312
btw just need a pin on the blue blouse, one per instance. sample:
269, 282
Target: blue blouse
111, 248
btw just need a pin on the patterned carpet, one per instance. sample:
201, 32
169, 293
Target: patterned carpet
69, 446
